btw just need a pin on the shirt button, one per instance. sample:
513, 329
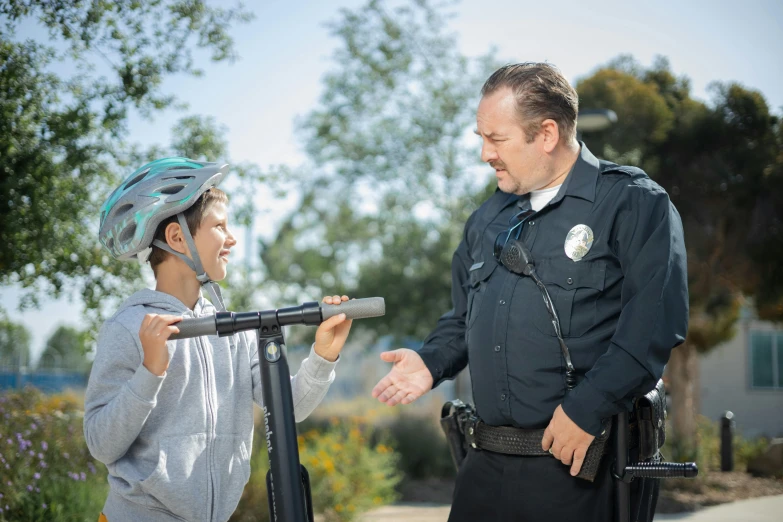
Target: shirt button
570, 281
502, 302
497, 348
532, 223
503, 397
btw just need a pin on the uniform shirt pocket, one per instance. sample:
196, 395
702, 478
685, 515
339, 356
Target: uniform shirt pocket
575, 288
476, 287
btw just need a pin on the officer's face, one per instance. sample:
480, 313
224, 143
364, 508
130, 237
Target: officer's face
519, 166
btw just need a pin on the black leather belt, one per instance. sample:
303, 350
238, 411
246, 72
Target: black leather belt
527, 443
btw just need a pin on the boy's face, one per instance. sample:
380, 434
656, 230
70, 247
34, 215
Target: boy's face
214, 241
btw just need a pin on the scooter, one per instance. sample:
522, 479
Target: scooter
287, 482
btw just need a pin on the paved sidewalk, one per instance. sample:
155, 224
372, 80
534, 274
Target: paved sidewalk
763, 509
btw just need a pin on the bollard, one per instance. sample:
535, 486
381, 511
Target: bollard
727, 442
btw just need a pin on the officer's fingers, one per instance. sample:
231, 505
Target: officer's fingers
388, 393
409, 398
566, 455
393, 356
546, 442
579, 458
556, 449
381, 386
397, 397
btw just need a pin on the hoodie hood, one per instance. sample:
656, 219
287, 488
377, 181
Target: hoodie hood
167, 303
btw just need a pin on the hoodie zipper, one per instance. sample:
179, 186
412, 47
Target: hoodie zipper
211, 438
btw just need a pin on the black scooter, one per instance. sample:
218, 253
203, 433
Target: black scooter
287, 482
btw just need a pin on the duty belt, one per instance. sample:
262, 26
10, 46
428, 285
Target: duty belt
527, 443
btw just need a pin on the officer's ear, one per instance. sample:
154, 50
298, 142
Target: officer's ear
550, 134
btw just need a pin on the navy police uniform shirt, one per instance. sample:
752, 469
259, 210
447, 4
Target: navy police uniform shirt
623, 306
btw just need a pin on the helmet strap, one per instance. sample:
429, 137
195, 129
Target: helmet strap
195, 264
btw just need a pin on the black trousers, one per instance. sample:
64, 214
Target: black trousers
507, 488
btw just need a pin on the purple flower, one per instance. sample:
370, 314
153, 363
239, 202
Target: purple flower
31, 453
33, 426
43, 464
92, 467
43, 506
37, 490
36, 476
40, 455
44, 445
66, 456
29, 487
9, 441
83, 476
10, 483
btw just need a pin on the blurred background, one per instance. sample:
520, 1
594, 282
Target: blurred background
349, 128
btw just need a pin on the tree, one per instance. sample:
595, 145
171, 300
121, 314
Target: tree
721, 165
66, 349
14, 343
394, 173
62, 137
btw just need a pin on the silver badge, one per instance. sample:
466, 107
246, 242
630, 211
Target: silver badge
578, 242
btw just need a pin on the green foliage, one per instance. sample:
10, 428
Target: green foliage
46, 471
61, 136
349, 474
65, 348
421, 446
722, 166
392, 144
14, 343
706, 452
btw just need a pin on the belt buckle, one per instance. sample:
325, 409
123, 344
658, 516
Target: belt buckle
470, 431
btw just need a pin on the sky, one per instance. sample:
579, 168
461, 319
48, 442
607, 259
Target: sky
287, 49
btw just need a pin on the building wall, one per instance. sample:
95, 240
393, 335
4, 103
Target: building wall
726, 385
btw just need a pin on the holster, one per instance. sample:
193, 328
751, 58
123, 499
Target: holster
648, 419
454, 417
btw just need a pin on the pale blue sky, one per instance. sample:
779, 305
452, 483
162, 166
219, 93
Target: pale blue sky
286, 50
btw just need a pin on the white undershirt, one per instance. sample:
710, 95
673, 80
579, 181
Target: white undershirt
539, 198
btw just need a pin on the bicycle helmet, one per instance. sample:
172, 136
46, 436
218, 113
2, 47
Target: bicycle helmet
158, 190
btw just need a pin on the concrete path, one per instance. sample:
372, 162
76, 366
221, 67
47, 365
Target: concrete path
763, 509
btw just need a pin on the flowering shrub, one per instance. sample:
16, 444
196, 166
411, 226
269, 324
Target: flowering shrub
348, 474
46, 472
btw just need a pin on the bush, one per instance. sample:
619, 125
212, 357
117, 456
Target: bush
46, 471
422, 447
348, 474
706, 452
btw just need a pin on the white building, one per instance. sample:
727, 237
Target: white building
745, 376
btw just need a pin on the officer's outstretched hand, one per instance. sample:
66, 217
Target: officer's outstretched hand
408, 379
566, 441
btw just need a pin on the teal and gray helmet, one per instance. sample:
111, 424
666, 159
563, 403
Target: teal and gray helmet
155, 192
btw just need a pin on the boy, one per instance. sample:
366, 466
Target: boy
173, 420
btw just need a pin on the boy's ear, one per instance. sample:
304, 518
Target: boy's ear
175, 239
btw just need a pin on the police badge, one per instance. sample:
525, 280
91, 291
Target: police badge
578, 242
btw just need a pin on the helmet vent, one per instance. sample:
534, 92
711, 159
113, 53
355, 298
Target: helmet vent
172, 189
127, 233
121, 211
180, 167
137, 178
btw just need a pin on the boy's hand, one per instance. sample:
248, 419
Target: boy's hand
154, 332
330, 336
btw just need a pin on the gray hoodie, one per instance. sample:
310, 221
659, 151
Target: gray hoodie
177, 447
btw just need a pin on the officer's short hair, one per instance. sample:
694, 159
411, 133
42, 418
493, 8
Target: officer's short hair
541, 92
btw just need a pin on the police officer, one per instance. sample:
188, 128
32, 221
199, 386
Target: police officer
607, 244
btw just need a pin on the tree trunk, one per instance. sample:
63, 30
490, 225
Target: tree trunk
683, 385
